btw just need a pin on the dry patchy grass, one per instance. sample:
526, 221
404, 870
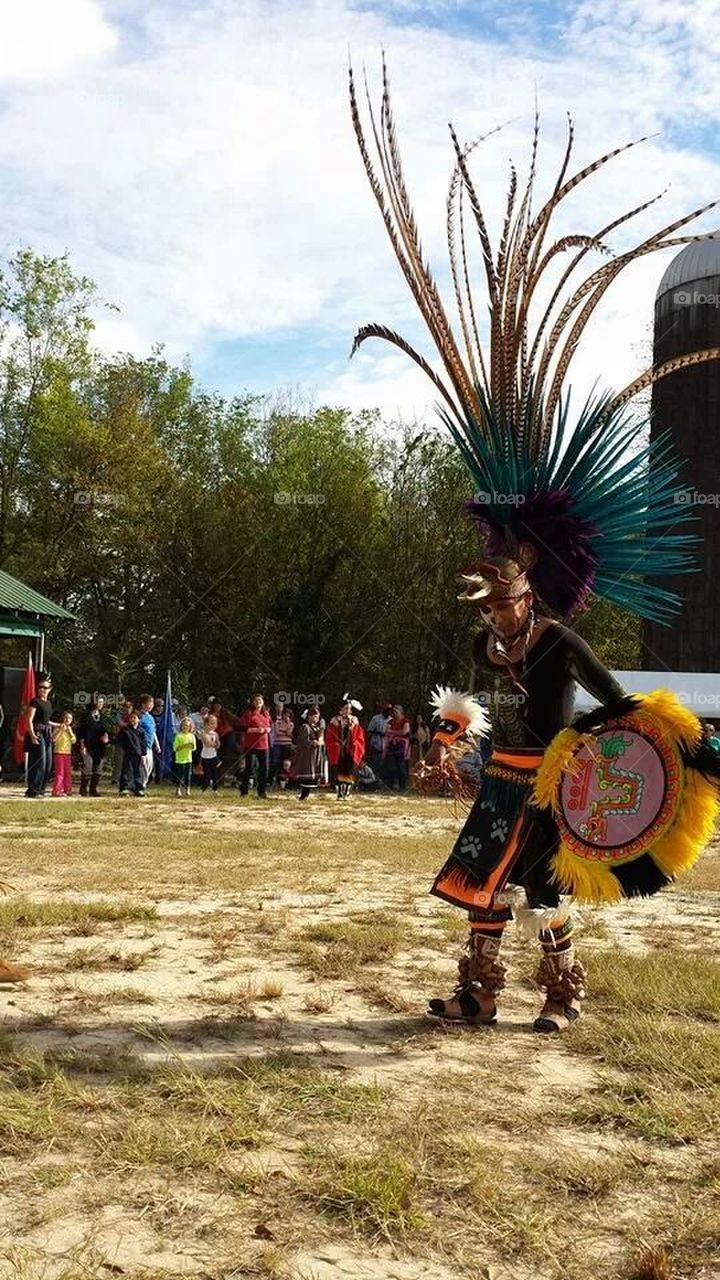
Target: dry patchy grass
705, 875
26, 913
140, 1118
385, 994
99, 958
462, 1147
319, 1001
377, 1192
656, 1025
90, 849
346, 946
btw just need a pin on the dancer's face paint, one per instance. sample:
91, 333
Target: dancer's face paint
506, 616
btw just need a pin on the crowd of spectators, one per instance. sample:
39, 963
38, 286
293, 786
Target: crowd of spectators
257, 748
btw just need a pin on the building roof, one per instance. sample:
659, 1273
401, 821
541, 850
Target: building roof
694, 262
15, 597
699, 691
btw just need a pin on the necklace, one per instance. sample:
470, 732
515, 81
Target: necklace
516, 666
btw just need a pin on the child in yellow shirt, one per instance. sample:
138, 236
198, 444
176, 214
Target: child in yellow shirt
63, 743
184, 744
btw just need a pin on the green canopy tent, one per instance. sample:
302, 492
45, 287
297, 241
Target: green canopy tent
24, 613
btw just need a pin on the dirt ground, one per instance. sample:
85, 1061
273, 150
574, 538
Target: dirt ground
220, 1064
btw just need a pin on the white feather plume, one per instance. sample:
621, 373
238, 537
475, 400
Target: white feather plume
449, 702
532, 921
355, 705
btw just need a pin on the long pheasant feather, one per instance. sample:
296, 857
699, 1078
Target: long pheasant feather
594, 499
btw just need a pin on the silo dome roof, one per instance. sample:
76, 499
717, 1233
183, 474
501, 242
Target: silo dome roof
694, 262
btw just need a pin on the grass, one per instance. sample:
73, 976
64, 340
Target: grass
85, 1001
378, 1192
450, 926
514, 1218
664, 937
651, 1264
320, 1001
26, 913
657, 1029
705, 875
348, 945
223, 939
385, 995
421, 1181
580, 1176
271, 924
682, 984
169, 1117
325, 1112
176, 1140
682, 1239
98, 958
241, 1000
91, 849
270, 989
126, 995
595, 926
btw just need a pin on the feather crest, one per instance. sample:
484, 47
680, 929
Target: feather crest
449, 702
506, 405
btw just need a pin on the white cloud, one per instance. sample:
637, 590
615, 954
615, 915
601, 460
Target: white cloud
41, 39
207, 177
378, 380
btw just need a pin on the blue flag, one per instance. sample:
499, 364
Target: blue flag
166, 734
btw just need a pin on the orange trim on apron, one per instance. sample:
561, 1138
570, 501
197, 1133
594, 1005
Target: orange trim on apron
529, 760
455, 882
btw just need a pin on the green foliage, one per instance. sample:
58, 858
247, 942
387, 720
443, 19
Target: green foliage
614, 634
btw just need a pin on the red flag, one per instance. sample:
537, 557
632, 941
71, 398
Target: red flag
28, 693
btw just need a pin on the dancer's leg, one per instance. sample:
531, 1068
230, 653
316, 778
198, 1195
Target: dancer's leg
561, 976
480, 974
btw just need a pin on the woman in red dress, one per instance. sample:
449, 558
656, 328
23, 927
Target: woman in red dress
345, 746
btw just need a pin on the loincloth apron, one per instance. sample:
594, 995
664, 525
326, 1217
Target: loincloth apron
505, 840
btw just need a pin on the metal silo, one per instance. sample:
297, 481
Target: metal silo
687, 318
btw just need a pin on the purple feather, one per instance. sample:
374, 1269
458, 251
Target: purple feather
567, 562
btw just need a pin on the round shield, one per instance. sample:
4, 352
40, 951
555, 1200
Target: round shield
621, 792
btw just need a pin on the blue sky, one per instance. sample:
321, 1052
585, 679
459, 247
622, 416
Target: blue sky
196, 159
505, 24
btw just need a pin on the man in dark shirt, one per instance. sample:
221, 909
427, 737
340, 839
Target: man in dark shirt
38, 740
525, 667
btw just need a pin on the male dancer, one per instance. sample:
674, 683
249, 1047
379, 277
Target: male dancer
569, 507
525, 666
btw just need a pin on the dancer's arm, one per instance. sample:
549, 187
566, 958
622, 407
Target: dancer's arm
587, 669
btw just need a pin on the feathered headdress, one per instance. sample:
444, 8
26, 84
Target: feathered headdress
354, 704
592, 505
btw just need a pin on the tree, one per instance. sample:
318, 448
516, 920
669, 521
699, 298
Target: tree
244, 542
45, 325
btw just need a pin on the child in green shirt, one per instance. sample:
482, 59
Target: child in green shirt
184, 744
